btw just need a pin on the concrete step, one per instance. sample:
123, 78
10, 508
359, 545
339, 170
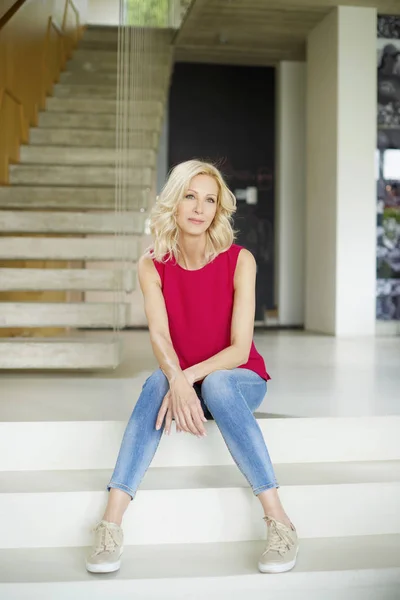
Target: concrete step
147, 35
73, 155
324, 501
105, 92
95, 106
76, 174
91, 137
62, 248
89, 62
143, 77
67, 198
65, 353
62, 314
349, 568
67, 279
101, 34
95, 56
96, 121
19, 221
111, 46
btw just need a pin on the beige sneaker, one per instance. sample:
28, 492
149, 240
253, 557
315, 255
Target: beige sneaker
281, 549
105, 556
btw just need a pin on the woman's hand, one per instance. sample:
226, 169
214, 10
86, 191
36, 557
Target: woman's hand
165, 412
182, 404
186, 407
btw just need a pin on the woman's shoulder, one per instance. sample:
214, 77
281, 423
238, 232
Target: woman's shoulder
148, 267
237, 252
239, 256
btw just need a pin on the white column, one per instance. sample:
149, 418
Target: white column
290, 193
341, 196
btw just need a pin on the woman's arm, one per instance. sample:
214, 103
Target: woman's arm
242, 327
157, 319
181, 402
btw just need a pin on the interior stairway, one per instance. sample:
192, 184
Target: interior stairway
60, 206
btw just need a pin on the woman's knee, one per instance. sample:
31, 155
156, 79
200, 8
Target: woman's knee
156, 385
217, 385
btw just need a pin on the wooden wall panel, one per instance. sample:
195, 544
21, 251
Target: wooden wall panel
33, 52
31, 58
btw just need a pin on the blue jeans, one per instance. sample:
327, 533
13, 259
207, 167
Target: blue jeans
229, 397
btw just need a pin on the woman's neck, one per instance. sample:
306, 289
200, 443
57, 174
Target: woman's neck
192, 252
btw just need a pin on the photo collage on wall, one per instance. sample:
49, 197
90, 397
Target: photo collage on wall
388, 170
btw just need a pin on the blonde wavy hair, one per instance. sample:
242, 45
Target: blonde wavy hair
163, 226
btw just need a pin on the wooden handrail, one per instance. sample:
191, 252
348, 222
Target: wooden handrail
72, 5
11, 12
9, 93
57, 27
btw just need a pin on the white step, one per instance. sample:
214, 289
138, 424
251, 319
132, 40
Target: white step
77, 175
66, 279
323, 501
71, 222
51, 353
61, 248
96, 443
54, 314
62, 90
90, 137
95, 121
56, 155
350, 568
94, 106
66, 197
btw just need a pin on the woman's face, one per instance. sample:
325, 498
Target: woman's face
197, 208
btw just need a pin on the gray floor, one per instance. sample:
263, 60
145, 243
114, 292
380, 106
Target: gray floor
312, 376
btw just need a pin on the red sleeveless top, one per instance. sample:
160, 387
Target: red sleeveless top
199, 305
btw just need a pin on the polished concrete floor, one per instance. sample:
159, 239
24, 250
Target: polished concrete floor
312, 376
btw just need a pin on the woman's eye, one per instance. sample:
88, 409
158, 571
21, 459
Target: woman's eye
211, 200
189, 196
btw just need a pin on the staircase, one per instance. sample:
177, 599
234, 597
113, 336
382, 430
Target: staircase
58, 218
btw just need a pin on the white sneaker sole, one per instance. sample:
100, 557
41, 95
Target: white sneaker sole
104, 567
278, 568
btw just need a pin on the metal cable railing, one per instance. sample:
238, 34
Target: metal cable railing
144, 35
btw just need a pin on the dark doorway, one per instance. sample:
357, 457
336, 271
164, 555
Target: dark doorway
226, 115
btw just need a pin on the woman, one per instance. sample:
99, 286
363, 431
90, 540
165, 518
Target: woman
199, 295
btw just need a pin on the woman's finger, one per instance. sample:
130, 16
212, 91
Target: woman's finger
198, 423
201, 417
182, 423
190, 422
162, 411
168, 421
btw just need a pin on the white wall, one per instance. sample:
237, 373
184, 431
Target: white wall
103, 12
341, 214
356, 200
291, 192
320, 280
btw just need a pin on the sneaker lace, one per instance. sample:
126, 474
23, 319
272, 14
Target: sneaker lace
279, 538
105, 541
